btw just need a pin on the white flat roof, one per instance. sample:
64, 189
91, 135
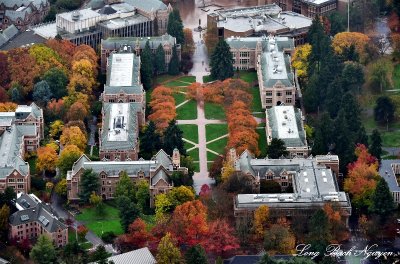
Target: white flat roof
119, 118
121, 69
83, 14
286, 118
24, 108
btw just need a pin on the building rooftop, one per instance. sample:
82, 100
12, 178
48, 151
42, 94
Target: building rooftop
120, 129
142, 256
81, 14
313, 184
275, 64
117, 23
318, 2
117, 43
148, 5
285, 123
270, 9
390, 170
32, 209
7, 34
19, 3
46, 31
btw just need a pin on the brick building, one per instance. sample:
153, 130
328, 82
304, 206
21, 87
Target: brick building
137, 44
156, 171
22, 13
20, 133
124, 106
307, 184
35, 218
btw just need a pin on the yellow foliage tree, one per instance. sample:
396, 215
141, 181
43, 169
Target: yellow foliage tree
227, 171
47, 159
7, 107
344, 40
73, 136
300, 60
261, 215
56, 128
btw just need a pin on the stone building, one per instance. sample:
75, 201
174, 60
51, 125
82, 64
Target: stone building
137, 44
308, 8
106, 19
124, 106
20, 133
286, 123
22, 13
389, 170
156, 171
259, 21
313, 183
35, 218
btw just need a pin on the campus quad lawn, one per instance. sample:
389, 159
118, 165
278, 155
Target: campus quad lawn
187, 111
248, 76
109, 222
214, 111
183, 81
211, 156
214, 131
262, 142
190, 132
390, 139
207, 79
194, 154
176, 83
256, 103
218, 146
179, 98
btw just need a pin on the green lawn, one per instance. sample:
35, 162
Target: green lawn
196, 166
190, 132
32, 165
179, 98
259, 115
187, 145
187, 111
194, 154
189, 79
396, 77
218, 146
207, 79
256, 103
214, 111
72, 238
98, 224
164, 78
390, 139
248, 76
211, 156
214, 131
176, 83
262, 142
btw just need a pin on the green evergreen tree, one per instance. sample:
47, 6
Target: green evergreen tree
362, 137
344, 146
43, 252
150, 142
221, 61
73, 253
128, 211
375, 148
196, 255
173, 139
382, 200
319, 42
352, 77
90, 182
146, 67
319, 147
125, 187
41, 93
159, 60
334, 97
310, 94
319, 234
384, 110
175, 26
173, 66
352, 113
57, 81
266, 259
276, 149
338, 23
16, 94
100, 255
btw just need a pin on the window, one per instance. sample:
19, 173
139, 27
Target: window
288, 92
20, 186
11, 180
269, 177
278, 93
289, 100
20, 180
268, 101
268, 94
107, 156
284, 184
245, 54
244, 61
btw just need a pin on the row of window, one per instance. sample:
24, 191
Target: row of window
13, 180
287, 101
269, 93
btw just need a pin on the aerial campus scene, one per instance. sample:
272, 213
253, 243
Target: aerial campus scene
200, 131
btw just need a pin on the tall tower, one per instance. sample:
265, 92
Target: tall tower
176, 158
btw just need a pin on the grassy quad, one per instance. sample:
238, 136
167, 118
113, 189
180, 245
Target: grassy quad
190, 132
214, 131
218, 146
188, 111
101, 224
262, 141
179, 98
214, 111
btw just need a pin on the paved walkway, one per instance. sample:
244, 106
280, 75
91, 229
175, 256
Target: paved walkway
200, 64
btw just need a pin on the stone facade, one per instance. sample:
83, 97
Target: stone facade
20, 133
137, 44
23, 13
35, 218
156, 172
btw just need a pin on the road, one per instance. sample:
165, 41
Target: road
56, 204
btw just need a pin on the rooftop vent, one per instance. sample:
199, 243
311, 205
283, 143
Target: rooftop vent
24, 217
75, 15
325, 179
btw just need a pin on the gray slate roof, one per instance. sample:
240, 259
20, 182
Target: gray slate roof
7, 34
18, 3
37, 211
116, 43
142, 256
147, 5
386, 171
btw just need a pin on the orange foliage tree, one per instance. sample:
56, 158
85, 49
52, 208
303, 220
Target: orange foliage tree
337, 225
64, 48
73, 136
189, 223
344, 40
47, 159
162, 107
137, 236
77, 111
261, 215
7, 107
362, 177
194, 91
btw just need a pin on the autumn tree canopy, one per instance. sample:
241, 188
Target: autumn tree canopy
162, 107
